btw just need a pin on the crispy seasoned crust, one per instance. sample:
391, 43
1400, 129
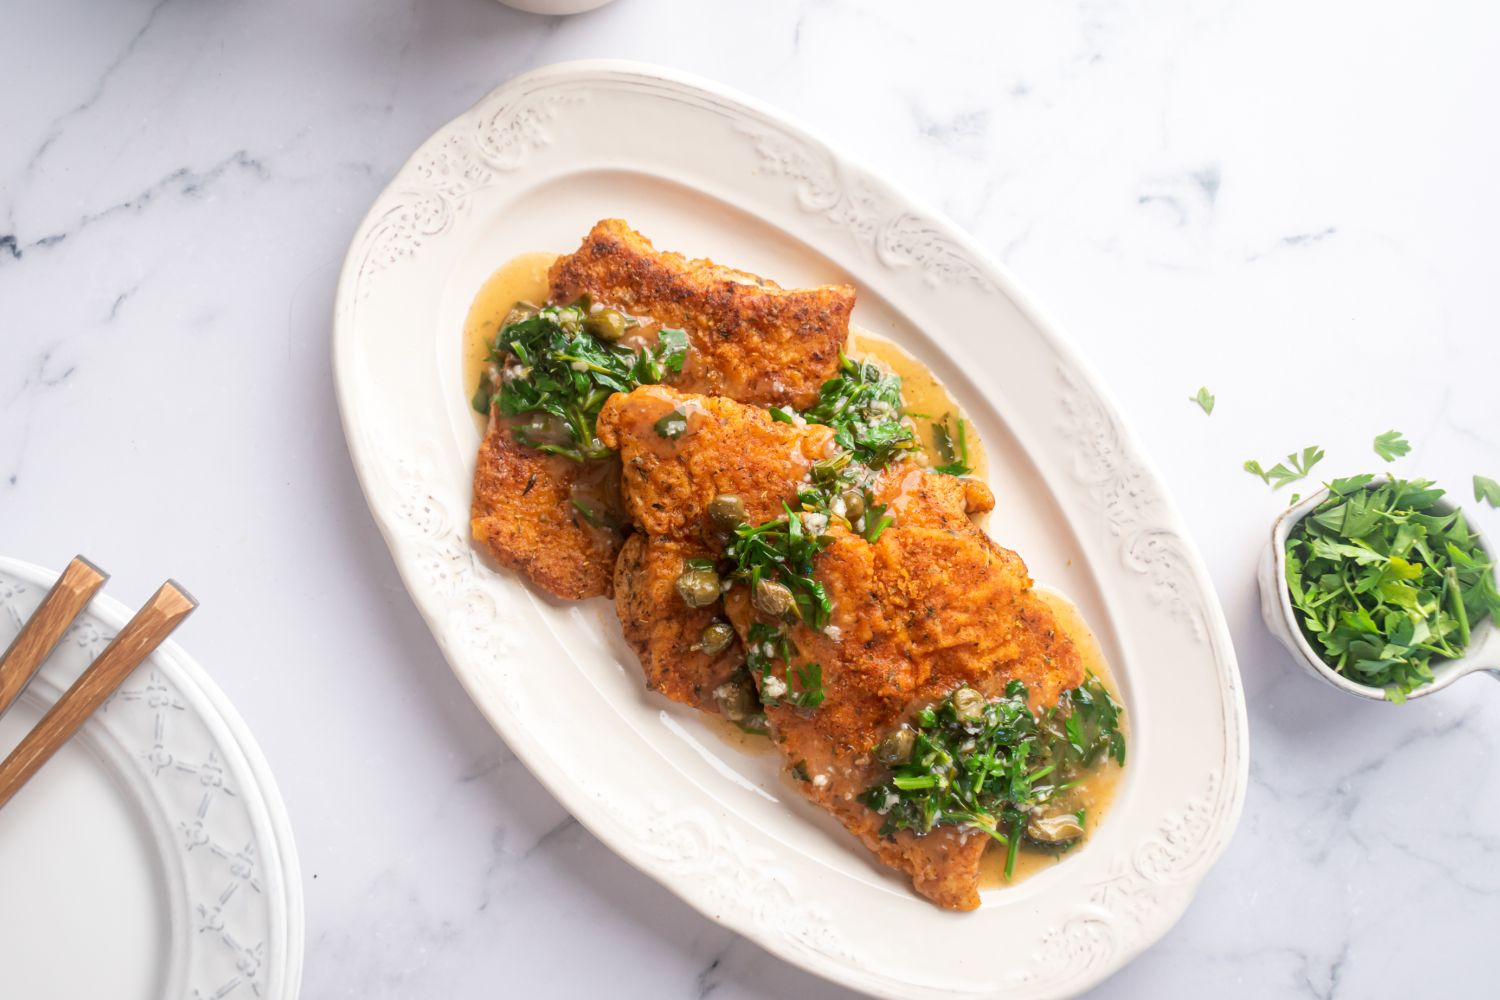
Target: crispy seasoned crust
919, 613
933, 604
727, 448
523, 515
662, 629
749, 338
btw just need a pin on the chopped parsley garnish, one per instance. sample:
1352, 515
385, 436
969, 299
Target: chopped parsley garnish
994, 765
672, 425
483, 395
1294, 468
765, 647
1204, 399
952, 447
1386, 583
1391, 445
783, 550
554, 367
780, 415
592, 516
808, 691
863, 406
876, 521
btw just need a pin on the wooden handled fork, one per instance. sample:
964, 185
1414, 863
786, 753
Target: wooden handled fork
44, 629
140, 636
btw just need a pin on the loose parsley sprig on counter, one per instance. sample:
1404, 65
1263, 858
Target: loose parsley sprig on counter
556, 369
996, 766
1294, 468
1386, 582
1391, 445
1488, 490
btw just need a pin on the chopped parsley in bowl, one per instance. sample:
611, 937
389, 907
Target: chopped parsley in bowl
1386, 583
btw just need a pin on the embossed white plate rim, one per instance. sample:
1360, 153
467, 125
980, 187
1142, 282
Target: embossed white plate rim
255, 783
1120, 896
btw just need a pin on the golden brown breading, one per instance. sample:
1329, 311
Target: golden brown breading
921, 612
749, 339
915, 495
662, 629
727, 448
522, 513
933, 604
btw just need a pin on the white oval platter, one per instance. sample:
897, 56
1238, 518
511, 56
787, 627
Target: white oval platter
151, 857
700, 170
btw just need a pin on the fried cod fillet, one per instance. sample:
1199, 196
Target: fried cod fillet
727, 448
523, 514
664, 632
932, 605
748, 339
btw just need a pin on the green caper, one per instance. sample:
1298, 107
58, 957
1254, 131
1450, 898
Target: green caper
606, 324
896, 747
854, 505
698, 587
716, 638
726, 511
1063, 828
772, 599
968, 705
735, 700
519, 312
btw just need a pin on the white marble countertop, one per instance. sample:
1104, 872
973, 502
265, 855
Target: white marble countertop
1293, 204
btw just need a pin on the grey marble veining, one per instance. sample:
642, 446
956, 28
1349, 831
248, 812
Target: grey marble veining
1278, 200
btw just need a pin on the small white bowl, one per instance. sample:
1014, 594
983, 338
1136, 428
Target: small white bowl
1283, 619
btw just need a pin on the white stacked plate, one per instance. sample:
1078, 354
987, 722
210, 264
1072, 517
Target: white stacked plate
152, 856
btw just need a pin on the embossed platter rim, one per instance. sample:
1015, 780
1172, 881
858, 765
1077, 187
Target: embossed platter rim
190, 779
704, 171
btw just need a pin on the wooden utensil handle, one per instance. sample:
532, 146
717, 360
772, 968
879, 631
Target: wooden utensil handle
142, 634
44, 629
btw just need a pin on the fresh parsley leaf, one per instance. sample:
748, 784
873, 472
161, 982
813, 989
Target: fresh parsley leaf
1350, 484
483, 395
1295, 467
553, 369
808, 691
1487, 490
671, 349
781, 550
1204, 398
780, 415
876, 521
765, 647
952, 447
597, 518
672, 425
863, 406
1391, 445
1386, 584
